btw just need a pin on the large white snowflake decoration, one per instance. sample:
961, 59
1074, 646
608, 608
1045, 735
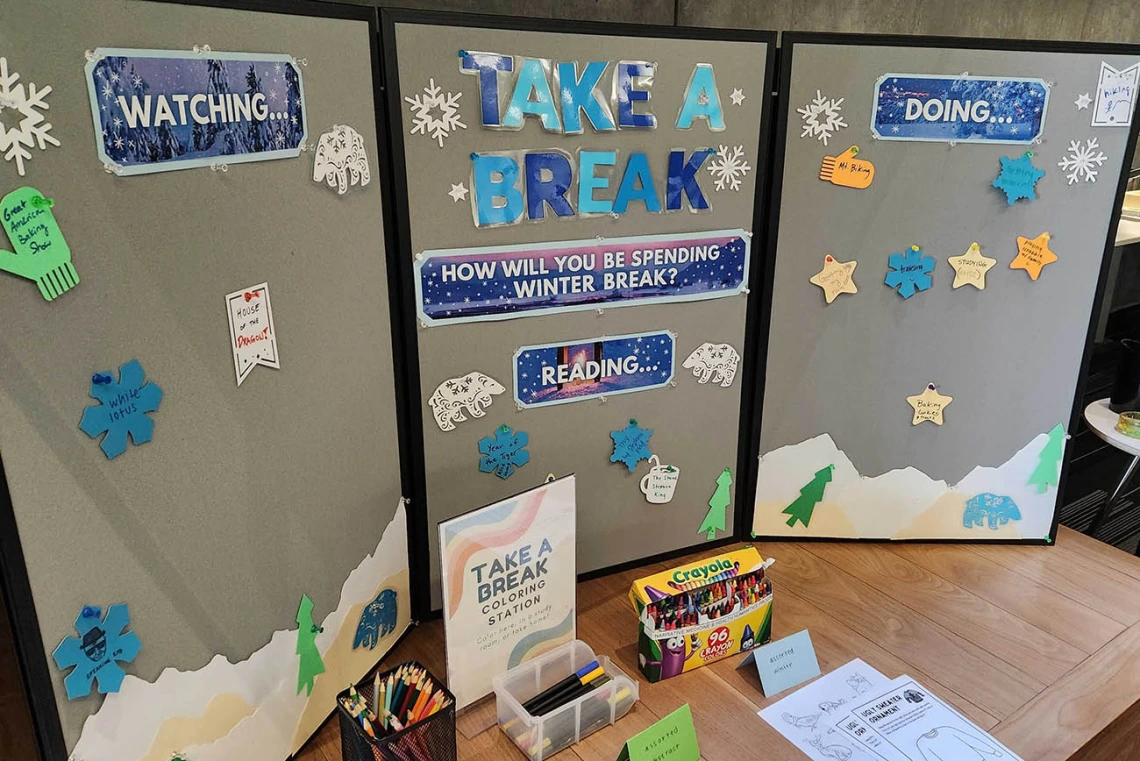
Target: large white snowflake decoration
729, 167
24, 111
822, 117
436, 115
1081, 160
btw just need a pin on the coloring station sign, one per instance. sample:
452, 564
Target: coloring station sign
941, 109
161, 110
503, 282
548, 374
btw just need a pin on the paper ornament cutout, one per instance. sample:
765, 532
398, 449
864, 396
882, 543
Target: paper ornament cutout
1115, 95
993, 510
98, 650
41, 253
658, 486
24, 125
728, 168
1018, 178
631, 445
835, 278
1081, 160
1033, 254
846, 170
971, 267
123, 409
377, 620
716, 518
471, 392
737, 96
435, 114
1048, 470
503, 452
713, 362
822, 117
458, 193
928, 405
340, 159
253, 339
1082, 102
910, 271
311, 663
803, 506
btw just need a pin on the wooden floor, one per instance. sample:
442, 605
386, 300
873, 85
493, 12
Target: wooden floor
17, 742
1038, 645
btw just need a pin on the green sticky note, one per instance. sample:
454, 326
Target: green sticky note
672, 739
40, 252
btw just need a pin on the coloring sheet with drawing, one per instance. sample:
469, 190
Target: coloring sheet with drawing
807, 717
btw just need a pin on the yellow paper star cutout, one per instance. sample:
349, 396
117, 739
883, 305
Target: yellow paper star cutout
971, 267
1033, 254
929, 405
835, 278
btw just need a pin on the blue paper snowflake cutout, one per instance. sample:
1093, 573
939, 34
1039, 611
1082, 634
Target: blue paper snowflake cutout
504, 452
1018, 178
910, 271
631, 445
123, 409
97, 651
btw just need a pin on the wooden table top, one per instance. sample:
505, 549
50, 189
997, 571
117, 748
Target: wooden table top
1038, 645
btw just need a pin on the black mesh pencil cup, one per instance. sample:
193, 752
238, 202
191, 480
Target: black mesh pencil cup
432, 739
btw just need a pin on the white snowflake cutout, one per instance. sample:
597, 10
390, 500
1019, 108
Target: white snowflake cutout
435, 114
729, 167
1081, 161
24, 111
829, 109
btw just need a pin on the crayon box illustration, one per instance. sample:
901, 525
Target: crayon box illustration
702, 612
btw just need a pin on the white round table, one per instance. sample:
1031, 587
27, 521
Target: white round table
1102, 421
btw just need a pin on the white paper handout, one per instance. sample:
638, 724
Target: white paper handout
1115, 96
906, 722
252, 337
807, 717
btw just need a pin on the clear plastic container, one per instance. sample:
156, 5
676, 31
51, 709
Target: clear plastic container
540, 737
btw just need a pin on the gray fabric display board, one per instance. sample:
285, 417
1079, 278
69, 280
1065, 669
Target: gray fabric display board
246, 498
838, 443
695, 425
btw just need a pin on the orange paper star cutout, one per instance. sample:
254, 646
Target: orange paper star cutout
1033, 254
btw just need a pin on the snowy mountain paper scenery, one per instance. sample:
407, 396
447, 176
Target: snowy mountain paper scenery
161, 110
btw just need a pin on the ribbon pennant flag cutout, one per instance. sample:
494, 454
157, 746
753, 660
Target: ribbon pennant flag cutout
252, 337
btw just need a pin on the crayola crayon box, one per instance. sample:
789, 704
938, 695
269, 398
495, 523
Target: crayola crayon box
702, 612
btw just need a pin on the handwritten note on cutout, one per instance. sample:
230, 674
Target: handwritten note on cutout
928, 405
835, 278
252, 337
971, 267
1033, 254
846, 170
1115, 96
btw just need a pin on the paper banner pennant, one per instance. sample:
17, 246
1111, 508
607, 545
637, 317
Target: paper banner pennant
846, 170
1115, 95
971, 267
253, 338
928, 405
835, 278
1033, 254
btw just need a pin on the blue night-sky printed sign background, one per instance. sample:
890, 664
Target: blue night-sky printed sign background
959, 108
570, 372
157, 110
503, 282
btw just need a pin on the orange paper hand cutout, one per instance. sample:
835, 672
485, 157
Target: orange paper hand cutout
1033, 254
846, 170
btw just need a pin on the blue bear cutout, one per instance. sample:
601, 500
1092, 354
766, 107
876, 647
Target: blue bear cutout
122, 410
992, 509
377, 621
96, 653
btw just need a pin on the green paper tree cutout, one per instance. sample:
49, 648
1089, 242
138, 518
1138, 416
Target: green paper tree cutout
311, 663
1047, 472
718, 505
804, 505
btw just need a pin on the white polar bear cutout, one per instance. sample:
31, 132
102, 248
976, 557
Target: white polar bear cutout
715, 362
471, 392
339, 158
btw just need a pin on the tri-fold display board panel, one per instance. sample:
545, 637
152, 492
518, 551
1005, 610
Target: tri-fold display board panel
164, 521
945, 209
578, 215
